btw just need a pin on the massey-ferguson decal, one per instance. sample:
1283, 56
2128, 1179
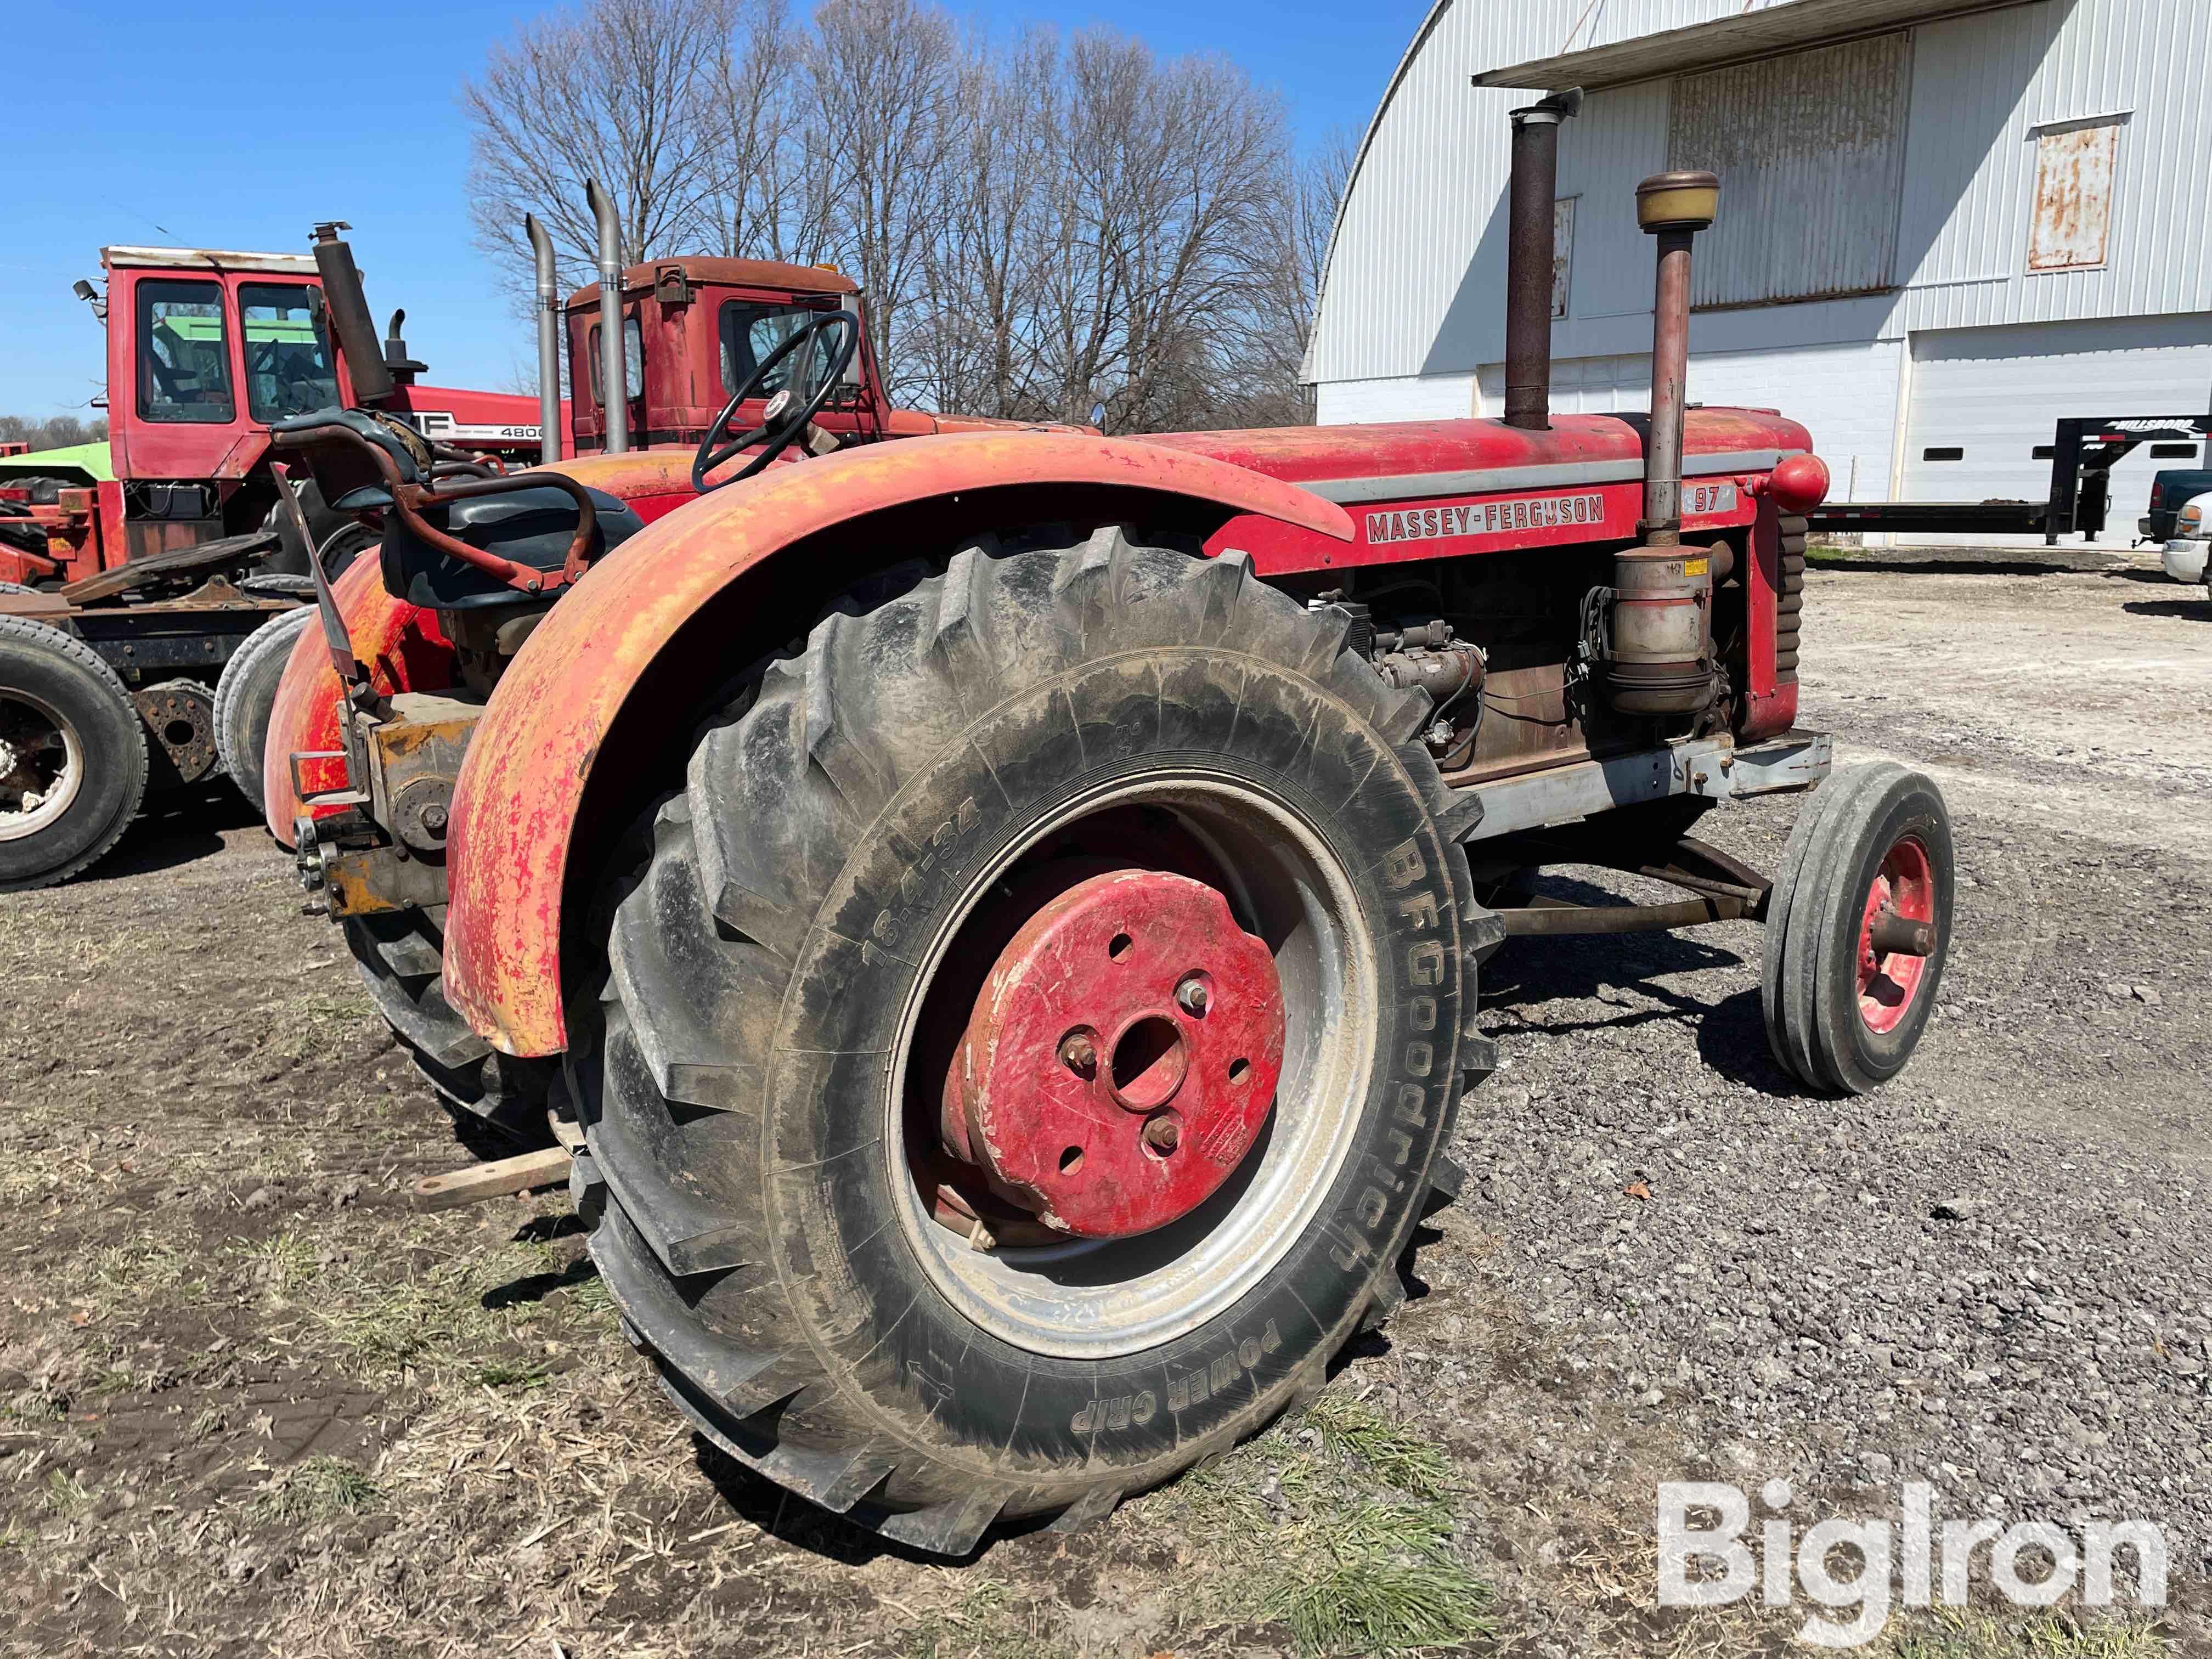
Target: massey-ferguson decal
1427, 524
1523, 513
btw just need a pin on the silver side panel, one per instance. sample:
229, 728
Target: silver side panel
1712, 766
1415, 486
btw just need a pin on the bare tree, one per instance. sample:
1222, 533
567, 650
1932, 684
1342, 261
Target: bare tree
766, 201
883, 80
1173, 176
611, 91
55, 432
1039, 226
1274, 394
972, 339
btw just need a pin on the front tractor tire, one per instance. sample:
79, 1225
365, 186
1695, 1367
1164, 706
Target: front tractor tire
1858, 928
245, 697
400, 957
892, 1238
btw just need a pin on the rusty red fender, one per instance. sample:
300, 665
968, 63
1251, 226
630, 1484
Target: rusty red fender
404, 651
515, 807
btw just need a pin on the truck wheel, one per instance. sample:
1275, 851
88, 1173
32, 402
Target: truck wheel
72, 756
1858, 927
400, 959
246, 695
1028, 1043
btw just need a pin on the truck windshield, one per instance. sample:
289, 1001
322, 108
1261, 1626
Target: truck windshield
752, 329
184, 360
288, 355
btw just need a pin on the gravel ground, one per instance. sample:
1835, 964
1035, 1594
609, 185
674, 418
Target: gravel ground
1989, 1275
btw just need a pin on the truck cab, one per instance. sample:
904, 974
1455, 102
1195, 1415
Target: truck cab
693, 332
2170, 489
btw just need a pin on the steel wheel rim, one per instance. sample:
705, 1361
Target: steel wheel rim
1099, 1299
29, 726
1889, 982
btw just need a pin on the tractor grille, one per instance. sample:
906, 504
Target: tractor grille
1790, 606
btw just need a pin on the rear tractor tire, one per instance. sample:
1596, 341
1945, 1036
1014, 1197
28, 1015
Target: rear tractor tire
1030, 1038
73, 763
1858, 928
399, 955
245, 697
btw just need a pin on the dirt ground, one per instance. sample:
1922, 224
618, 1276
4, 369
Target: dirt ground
250, 1402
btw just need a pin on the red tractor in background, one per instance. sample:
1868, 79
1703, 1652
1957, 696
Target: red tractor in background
1003, 909
133, 650
206, 348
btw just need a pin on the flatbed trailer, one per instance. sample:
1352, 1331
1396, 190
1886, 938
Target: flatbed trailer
2083, 452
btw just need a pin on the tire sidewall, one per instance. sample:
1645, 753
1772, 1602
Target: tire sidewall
113, 744
246, 696
1908, 807
862, 1294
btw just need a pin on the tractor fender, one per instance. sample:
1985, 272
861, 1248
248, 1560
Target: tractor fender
519, 811
404, 651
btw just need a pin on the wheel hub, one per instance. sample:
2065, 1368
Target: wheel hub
1121, 1057
40, 767
1897, 935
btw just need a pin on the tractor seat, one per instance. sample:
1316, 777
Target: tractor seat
533, 527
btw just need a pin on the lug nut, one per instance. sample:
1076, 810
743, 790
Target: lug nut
1080, 1055
1163, 1134
1191, 993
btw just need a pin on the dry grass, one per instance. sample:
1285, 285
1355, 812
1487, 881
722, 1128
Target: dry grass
1340, 1528
319, 1489
1962, 1635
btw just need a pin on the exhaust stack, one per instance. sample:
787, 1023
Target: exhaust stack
614, 378
404, 366
347, 308
548, 342
1530, 255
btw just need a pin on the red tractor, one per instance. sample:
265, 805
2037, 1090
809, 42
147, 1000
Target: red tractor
719, 357
1005, 908
123, 598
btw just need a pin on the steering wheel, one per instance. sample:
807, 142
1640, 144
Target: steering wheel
787, 417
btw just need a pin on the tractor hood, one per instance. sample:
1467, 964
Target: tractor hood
1407, 460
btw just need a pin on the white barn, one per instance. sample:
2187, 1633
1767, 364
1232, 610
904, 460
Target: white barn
1944, 223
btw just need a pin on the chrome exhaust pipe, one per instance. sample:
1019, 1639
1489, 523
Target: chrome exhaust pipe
548, 342
614, 379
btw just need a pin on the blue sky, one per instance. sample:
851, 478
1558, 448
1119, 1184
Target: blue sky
240, 126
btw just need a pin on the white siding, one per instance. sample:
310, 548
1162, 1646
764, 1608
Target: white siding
1845, 395
1414, 283
1406, 397
1621, 134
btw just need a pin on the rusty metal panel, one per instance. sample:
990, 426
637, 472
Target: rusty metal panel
1810, 149
2073, 212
